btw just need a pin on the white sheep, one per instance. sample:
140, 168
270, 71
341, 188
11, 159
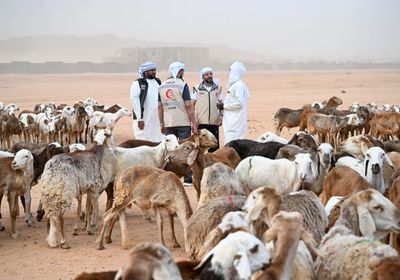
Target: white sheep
68, 176
366, 217
271, 137
145, 155
236, 257
284, 175
101, 120
370, 168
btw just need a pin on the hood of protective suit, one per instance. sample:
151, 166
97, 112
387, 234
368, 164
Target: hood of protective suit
236, 72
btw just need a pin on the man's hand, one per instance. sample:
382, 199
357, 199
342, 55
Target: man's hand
162, 128
220, 105
194, 127
141, 125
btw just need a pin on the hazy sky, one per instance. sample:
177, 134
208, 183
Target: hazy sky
292, 29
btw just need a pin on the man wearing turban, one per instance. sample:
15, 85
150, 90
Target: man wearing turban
144, 99
208, 104
235, 105
175, 107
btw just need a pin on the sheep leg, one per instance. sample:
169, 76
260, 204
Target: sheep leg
110, 229
28, 213
13, 204
108, 217
39, 212
175, 243
124, 230
78, 215
1, 198
52, 236
110, 195
92, 207
64, 244
160, 224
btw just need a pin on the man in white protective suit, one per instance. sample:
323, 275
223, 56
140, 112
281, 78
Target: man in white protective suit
235, 104
144, 99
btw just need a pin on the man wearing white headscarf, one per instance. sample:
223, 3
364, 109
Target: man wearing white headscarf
175, 107
208, 104
235, 105
144, 99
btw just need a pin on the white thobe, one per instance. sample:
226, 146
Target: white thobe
150, 118
234, 121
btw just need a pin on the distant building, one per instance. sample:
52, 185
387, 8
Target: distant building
194, 58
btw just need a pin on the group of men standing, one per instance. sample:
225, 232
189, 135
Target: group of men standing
169, 108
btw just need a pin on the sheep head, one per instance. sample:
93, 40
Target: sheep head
326, 156
240, 254
305, 168
22, 159
374, 157
263, 200
103, 136
149, 261
186, 152
171, 142
370, 214
357, 146
304, 140
206, 139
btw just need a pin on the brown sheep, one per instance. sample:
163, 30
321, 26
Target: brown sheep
190, 153
286, 117
394, 196
147, 187
385, 269
385, 124
342, 181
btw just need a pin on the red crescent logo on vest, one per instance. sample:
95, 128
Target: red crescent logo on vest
169, 94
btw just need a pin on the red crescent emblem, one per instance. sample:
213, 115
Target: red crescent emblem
169, 94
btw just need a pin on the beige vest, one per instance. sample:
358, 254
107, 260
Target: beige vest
206, 105
173, 104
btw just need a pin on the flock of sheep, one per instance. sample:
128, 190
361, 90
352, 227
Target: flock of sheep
267, 209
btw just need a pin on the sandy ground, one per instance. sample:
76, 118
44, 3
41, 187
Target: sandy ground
30, 258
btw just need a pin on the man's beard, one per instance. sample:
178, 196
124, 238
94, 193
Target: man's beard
209, 81
151, 77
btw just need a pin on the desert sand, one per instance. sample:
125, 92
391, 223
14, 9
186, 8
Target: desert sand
30, 258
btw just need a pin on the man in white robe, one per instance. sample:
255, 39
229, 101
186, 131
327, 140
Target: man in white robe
146, 124
235, 104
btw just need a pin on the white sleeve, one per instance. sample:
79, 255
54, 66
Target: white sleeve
135, 101
235, 101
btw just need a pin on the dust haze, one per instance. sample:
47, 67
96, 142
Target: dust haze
261, 31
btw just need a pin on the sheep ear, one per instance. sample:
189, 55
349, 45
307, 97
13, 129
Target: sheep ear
196, 140
387, 158
365, 222
242, 266
205, 261
333, 160
255, 212
192, 156
366, 167
364, 147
